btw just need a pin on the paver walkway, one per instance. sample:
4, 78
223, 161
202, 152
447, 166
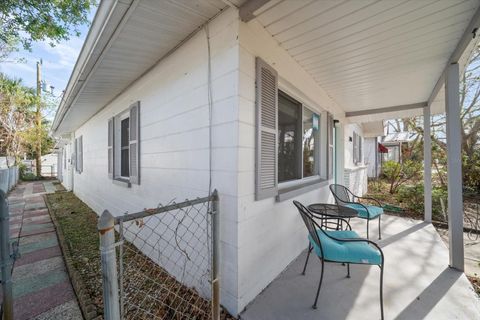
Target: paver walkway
41, 286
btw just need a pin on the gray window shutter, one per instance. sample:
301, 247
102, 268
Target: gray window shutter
266, 184
330, 147
355, 148
359, 149
75, 154
134, 145
80, 154
110, 147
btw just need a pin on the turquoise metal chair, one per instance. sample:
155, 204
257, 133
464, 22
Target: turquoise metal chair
346, 198
340, 246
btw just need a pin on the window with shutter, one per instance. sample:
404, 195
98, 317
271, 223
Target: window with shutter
123, 145
266, 84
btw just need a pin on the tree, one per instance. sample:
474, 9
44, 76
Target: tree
25, 21
17, 105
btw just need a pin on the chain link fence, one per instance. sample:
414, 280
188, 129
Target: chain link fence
166, 260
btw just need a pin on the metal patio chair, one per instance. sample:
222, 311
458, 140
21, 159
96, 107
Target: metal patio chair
340, 246
344, 197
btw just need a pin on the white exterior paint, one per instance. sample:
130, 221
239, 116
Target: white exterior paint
174, 138
270, 233
355, 177
371, 157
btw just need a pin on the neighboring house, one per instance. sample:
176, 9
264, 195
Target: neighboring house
396, 143
167, 97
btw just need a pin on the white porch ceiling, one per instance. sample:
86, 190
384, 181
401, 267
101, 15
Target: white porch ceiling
134, 35
370, 54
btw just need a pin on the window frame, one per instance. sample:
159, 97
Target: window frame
289, 184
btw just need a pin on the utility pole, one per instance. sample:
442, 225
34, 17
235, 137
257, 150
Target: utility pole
38, 120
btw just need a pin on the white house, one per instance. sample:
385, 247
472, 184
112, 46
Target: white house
167, 96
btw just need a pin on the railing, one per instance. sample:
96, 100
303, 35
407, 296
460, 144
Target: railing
167, 262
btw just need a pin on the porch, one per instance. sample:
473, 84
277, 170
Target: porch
418, 283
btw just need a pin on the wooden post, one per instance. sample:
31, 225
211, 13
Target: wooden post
106, 231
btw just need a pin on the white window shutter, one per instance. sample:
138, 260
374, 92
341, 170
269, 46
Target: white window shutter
110, 147
134, 145
266, 184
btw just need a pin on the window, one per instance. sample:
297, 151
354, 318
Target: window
297, 139
79, 154
123, 150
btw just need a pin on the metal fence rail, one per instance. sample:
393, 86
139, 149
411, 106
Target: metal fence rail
167, 262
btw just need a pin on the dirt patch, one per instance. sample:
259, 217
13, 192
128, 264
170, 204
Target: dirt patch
79, 226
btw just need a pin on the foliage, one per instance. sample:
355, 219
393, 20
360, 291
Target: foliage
399, 173
30, 138
17, 105
471, 170
412, 197
29, 176
23, 22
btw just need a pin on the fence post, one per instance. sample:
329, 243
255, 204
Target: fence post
5, 258
215, 258
106, 231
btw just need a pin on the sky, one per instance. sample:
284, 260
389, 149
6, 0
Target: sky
58, 61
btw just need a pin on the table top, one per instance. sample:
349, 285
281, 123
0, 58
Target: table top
332, 210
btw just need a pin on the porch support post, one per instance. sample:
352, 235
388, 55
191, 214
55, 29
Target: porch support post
454, 163
427, 164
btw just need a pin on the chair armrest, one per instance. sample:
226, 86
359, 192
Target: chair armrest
371, 199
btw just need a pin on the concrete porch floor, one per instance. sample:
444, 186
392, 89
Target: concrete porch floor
418, 284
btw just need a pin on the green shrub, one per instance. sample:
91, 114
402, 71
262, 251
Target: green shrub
398, 174
412, 197
29, 177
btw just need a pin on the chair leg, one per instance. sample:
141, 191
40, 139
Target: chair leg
348, 270
319, 285
379, 229
310, 248
381, 290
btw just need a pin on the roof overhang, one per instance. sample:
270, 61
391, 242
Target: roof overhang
127, 38
377, 59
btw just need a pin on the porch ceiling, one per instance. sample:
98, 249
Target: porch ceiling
127, 38
370, 54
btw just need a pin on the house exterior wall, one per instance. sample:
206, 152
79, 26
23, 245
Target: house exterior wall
174, 138
270, 233
355, 175
371, 157
258, 238
67, 173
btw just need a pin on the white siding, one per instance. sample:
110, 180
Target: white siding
174, 138
355, 176
270, 234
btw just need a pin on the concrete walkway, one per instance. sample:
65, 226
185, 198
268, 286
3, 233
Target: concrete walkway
418, 283
41, 286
